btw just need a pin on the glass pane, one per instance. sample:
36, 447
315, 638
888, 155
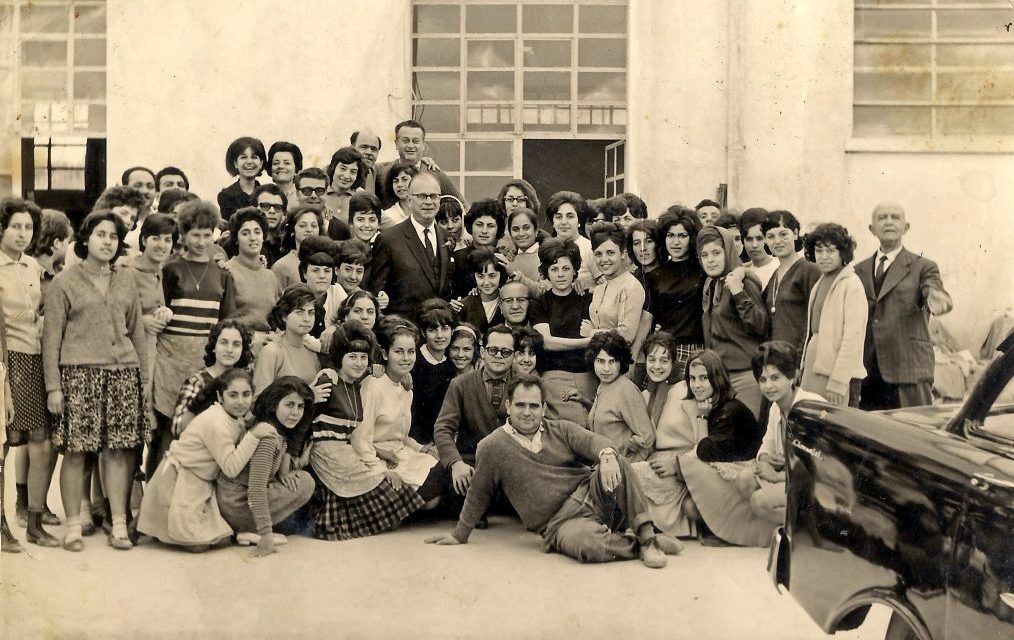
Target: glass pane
602, 87
41, 157
68, 157
437, 52
439, 118
490, 118
601, 119
621, 155
488, 156
478, 187
497, 18
60, 117
94, 120
43, 85
439, 18
989, 85
90, 85
90, 53
975, 55
892, 55
490, 85
892, 86
546, 117
44, 54
44, 19
90, 18
551, 18
966, 23
547, 53
445, 153
71, 180
547, 85
41, 180
892, 24
878, 122
491, 53
602, 52
602, 19
976, 120
437, 85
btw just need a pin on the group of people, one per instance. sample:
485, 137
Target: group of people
337, 350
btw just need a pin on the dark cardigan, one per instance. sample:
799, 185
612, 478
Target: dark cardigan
733, 434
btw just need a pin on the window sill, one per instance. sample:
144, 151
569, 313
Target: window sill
943, 144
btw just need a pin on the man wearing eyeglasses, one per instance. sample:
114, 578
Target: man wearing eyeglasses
311, 185
474, 406
514, 298
411, 261
410, 141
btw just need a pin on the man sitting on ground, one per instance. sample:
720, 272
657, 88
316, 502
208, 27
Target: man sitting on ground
580, 511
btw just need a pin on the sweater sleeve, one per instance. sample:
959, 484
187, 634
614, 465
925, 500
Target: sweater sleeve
480, 491
266, 368
231, 458
261, 467
630, 302
53, 325
750, 308
363, 435
853, 339
227, 307
720, 444
584, 442
135, 325
635, 414
445, 430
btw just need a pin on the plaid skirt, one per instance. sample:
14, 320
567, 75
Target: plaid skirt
32, 420
376, 511
103, 409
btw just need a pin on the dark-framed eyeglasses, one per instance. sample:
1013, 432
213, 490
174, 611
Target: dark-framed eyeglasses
515, 199
502, 352
268, 207
309, 191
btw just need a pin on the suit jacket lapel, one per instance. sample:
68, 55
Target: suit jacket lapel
444, 258
896, 272
418, 250
482, 396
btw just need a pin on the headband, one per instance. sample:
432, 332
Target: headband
467, 330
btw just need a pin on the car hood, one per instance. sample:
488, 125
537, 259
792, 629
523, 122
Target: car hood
932, 416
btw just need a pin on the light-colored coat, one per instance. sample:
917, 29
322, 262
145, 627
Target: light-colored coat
841, 335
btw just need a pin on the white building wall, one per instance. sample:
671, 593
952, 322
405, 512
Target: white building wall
187, 77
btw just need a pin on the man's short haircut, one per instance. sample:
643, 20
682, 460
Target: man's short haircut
613, 344
282, 147
170, 198
119, 196
365, 202
125, 178
171, 171
832, 235
197, 214
526, 188
782, 218
635, 205
158, 224
354, 138
778, 354
313, 173
412, 124
707, 203
572, 198
500, 329
273, 189
553, 249
527, 380
646, 227
236, 149
54, 225
94, 219
490, 207
396, 170
348, 155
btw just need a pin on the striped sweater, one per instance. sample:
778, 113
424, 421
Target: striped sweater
199, 294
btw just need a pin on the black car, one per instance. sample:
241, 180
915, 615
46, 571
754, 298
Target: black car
910, 508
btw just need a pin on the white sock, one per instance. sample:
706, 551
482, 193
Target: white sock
120, 527
73, 529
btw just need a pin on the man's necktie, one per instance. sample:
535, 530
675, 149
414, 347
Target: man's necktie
496, 394
878, 277
431, 254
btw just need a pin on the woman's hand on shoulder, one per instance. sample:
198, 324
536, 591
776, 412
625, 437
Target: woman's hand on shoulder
263, 430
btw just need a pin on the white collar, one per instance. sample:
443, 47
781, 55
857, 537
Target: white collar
891, 255
419, 230
532, 249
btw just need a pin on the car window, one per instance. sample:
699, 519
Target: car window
1000, 419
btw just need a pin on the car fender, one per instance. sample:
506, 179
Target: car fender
853, 612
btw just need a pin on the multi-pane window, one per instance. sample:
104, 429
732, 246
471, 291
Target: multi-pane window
488, 74
60, 164
933, 68
614, 177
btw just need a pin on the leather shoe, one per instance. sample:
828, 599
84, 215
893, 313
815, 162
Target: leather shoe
74, 545
670, 546
651, 556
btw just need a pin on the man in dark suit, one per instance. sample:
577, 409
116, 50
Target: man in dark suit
411, 262
902, 289
410, 141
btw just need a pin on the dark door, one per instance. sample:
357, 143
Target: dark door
66, 175
564, 165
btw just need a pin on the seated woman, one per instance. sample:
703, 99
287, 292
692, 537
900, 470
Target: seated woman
387, 412
482, 308
268, 490
179, 505
618, 411
433, 370
762, 485
352, 499
710, 469
676, 432
836, 319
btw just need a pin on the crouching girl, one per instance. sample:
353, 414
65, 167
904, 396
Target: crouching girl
268, 490
179, 505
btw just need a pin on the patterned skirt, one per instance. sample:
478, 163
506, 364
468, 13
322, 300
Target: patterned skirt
376, 511
103, 409
32, 420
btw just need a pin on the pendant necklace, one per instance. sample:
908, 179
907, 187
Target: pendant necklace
352, 403
197, 282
